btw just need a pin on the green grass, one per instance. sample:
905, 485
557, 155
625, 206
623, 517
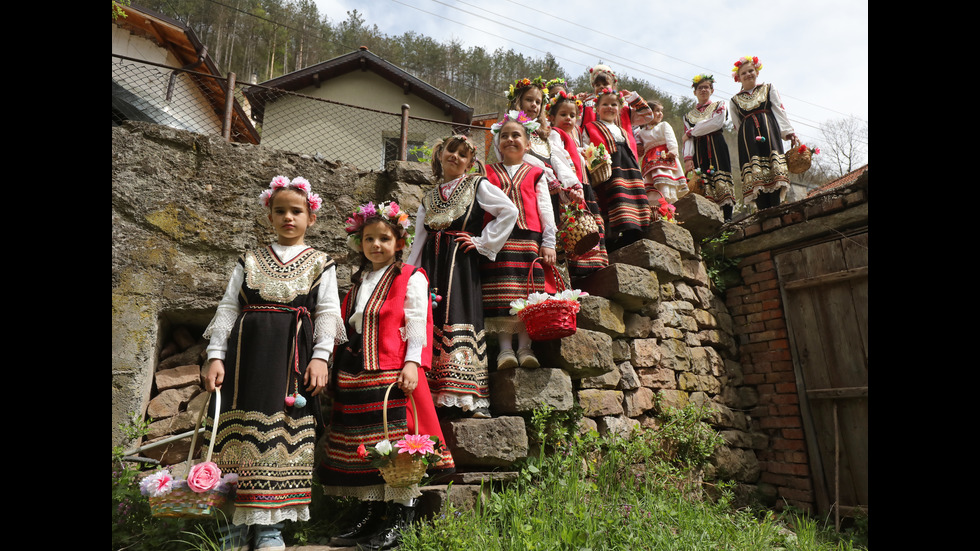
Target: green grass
590, 493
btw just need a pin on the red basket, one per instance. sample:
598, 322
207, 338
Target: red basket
551, 319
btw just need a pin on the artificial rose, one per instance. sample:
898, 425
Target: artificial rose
157, 484
301, 183
315, 202
279, 182
362, 452
383, 447
203, 477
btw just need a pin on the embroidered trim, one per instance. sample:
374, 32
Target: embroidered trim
749, 101
440, 213
695, 115
278, 281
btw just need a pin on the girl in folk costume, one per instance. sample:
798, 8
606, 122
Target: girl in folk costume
388, 317
662, 172
705, 148
634, 111
622, 197
550, 150
451, 236
505, 278
270, 341
761, 125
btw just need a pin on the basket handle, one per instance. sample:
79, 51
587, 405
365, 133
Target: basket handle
384, 411
197, 428
530, 286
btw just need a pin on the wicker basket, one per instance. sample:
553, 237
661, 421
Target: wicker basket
551, 319
403, 470
184, 502
797, 162
695, 183
578, 236
601, 172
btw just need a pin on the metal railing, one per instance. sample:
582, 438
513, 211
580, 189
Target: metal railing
199, 102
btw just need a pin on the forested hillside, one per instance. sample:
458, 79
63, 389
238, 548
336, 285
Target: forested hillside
264, 39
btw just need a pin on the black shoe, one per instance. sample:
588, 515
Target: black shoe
370, 521
400, 519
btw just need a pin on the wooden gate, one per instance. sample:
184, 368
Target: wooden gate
825, 297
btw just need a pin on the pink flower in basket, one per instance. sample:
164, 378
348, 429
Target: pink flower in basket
412, 443
157, 484
203, 477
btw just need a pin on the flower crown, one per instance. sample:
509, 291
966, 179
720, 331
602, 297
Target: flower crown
461, 137
530, 125
754, 60
522, 83
562, 96
390, 211
599, 69
702, 77
555, 82
609, 91
299, 184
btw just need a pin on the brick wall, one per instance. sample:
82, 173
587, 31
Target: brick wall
760, 326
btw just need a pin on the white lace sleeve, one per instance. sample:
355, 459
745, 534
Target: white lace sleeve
224, 317
416, 317
328, 327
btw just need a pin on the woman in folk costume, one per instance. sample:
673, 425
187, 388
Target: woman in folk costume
270, 340
761, 125
461, 220
550, 150
388, 318
505, 278
705, 149
662, 172
622, 197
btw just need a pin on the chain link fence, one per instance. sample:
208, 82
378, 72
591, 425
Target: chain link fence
364, 137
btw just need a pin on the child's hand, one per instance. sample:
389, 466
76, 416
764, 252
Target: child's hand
467, 242
549, 255
214, 375
408, 379
576, 195
316, 376
688, 165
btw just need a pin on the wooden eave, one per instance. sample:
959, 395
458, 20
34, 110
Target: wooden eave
183, 43
360, 60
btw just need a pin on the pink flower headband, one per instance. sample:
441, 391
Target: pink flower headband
389, 211
562, 96
529, 124
610, 92
754, 60
299, 184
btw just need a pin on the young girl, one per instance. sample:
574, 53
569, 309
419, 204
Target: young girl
705, 148
634, 111
271, 338
388, 317
622, 197
549, 150
761, 125
662, 172
505, 278
562, 111
451, 236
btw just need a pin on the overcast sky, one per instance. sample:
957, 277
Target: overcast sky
814, 53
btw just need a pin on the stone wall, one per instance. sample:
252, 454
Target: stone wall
652, 333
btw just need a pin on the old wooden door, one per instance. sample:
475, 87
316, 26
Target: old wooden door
825, 297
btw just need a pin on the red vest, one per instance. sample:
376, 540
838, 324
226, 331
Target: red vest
569, 144
521, 192
625, 119
384, 317
599, 134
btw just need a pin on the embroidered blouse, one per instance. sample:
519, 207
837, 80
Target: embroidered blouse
328, 328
